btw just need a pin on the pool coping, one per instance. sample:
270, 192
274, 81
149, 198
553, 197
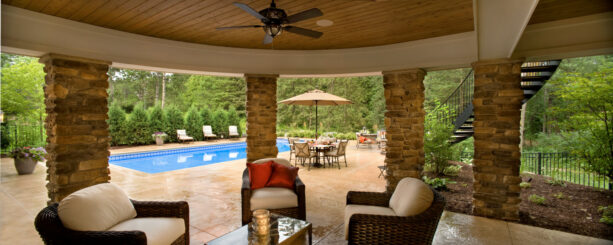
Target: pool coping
158, 152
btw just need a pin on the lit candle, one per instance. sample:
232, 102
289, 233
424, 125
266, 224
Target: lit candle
262, 221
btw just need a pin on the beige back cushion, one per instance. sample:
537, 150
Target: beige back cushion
96, 208
412, 196
277, 160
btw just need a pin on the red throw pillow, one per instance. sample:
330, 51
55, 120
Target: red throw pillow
259, 173
282, 176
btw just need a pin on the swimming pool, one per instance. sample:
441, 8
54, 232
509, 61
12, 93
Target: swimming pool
167, 160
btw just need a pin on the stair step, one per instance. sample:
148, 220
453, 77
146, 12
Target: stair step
467, 127
536, 75
464, 132
550, 65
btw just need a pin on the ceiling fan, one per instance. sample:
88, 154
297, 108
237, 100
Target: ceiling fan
275, 21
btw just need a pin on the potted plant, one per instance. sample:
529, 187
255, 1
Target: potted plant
26, 158
159, 137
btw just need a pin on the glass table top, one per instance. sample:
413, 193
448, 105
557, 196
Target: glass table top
283, 230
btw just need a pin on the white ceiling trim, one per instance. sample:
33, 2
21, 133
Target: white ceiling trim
574, 37
38, 34
500, 25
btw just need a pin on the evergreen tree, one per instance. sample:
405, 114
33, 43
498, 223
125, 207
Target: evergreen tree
174, 121
138, 126
206, 116
157, 120
234, 119
117, 125
193, 123
220, 122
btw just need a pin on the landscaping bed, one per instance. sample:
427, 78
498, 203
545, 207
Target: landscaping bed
571, 208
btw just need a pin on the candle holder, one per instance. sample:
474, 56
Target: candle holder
261, 221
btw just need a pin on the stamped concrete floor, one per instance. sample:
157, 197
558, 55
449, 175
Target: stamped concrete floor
213, 193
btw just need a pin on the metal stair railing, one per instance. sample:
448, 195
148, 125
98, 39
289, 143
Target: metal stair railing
458, 102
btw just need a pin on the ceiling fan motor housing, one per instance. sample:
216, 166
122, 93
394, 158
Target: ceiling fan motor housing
275, 18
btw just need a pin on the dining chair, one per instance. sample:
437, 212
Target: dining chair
292, 149
336, 153
303, 153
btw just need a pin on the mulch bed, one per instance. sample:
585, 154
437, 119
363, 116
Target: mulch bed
575, 212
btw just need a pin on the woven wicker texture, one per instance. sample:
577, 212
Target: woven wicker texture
297, 212
51, 230
380, 229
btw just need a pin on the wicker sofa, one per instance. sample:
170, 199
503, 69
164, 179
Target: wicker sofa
298, 212
392, 229
53, 231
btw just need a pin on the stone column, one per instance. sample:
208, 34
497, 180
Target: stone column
261, 116
77, 131
497, 107
404, 123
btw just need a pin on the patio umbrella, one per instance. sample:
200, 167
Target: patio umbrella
316, 98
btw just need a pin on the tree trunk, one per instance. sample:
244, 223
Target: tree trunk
546, 106
157, 91
163, 88
521, 126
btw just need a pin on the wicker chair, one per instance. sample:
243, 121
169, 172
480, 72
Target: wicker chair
303, 153
51, 230
387, 229
298, 212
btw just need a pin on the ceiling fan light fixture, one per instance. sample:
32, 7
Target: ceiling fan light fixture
273, 29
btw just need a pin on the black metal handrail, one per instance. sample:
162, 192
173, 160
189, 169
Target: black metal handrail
458, 101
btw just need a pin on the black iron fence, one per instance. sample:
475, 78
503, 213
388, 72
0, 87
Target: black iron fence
13, 136
457, 102
560, 166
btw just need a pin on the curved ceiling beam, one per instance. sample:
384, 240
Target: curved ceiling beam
500, 25
35, 33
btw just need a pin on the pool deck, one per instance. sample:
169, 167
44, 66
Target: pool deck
213, 193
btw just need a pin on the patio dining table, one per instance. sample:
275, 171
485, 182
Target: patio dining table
320, 149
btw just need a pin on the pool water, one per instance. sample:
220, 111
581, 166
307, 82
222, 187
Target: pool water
167, 160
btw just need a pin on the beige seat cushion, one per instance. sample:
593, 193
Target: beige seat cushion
273, 198
159, 231
352, 209
95, 208
412, 196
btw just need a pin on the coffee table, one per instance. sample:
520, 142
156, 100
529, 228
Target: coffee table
283, 230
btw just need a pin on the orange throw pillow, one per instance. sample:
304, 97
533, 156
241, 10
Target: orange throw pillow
259, 173
282, 176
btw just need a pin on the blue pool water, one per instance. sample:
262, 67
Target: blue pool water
167, 160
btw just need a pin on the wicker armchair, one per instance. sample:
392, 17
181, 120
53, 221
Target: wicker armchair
382, 229
246, 193
51, 230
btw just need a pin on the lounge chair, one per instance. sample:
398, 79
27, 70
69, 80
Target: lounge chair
207, 131
182, 136
233, 131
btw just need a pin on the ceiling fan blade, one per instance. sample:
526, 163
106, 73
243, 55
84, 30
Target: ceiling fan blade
236, 27
302, 31
267, 39
304, 15
250, 10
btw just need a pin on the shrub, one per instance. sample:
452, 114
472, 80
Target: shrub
206, 117
174, 121
452, 170
138, 127
559, 195
607, 214
438, 183
220, 122
234, 120
556, 182
525, 185
540, 200
437, 148
157, 120
193, 123
117, 125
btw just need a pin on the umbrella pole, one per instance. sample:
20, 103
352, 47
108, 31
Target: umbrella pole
316, 123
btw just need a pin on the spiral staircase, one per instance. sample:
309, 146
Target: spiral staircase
457, 109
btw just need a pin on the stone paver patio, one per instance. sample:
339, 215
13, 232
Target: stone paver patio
213, 193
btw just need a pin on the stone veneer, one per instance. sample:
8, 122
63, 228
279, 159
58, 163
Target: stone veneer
77, 131
261, 116
404, 122
497, 105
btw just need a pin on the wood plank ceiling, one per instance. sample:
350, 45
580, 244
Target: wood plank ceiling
357, 23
